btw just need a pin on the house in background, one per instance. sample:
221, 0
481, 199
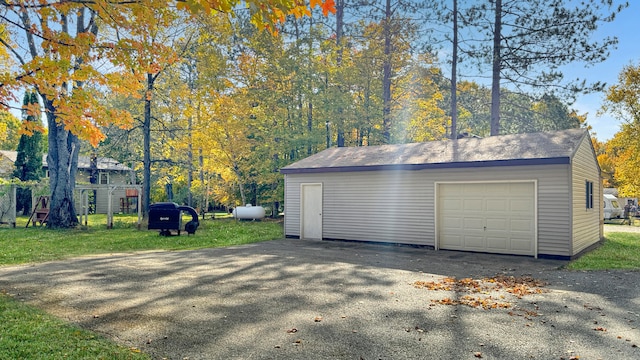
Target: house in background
7, 163
537, 194
108, 172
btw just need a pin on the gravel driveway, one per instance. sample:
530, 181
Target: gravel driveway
294, 299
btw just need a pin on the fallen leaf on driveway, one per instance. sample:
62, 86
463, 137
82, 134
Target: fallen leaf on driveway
485, 291
291, 331
600, 328
477, 354
318, 319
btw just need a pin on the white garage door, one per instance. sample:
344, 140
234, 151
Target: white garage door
487, 217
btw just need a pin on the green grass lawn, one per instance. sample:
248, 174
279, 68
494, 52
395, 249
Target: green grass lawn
28, 333
37, 244
619, 251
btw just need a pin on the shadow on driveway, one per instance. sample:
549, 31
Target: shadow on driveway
294, 299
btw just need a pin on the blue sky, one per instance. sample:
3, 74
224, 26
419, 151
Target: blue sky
626, 27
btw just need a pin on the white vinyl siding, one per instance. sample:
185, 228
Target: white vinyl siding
292, 204
586, 222
367, 206
399, 206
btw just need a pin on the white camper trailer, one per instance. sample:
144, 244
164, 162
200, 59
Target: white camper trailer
612, 209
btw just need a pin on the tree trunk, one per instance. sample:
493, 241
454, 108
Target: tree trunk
327, 123
367, 112
242, 196
386, 77
190, 160
93, 179
203, 205
339, 35
340, 135
146, 131
310, 126
62, 161
339, 30
495, 84
454, 73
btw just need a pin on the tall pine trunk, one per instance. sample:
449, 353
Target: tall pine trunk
339, 35
146, 161
386, 77
495, 83
28, 164
454, 74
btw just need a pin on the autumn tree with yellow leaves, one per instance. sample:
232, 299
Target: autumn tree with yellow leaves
195, 93
55, 49
623, 151
58, 49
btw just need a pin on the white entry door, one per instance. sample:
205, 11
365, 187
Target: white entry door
487, 217
311, 208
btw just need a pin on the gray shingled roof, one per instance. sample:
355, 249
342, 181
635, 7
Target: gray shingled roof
104, 163
84, 162
555, 147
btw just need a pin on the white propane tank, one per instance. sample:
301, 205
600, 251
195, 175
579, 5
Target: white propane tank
248, 212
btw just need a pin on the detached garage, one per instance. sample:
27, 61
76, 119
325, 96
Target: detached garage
533, 194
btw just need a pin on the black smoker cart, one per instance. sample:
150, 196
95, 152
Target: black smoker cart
167, 216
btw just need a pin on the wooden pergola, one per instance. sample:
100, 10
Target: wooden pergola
84, 198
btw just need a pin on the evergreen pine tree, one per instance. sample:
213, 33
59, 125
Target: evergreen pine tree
29, 159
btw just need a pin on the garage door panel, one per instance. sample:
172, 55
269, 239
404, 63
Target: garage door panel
452, 204
454, 241
468, 191
473, 242
495, 190
522, 246
472, 205
497, 204
497, 244
452, 222
487, 217
520, 189
473, 223
496, 224
450, 190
